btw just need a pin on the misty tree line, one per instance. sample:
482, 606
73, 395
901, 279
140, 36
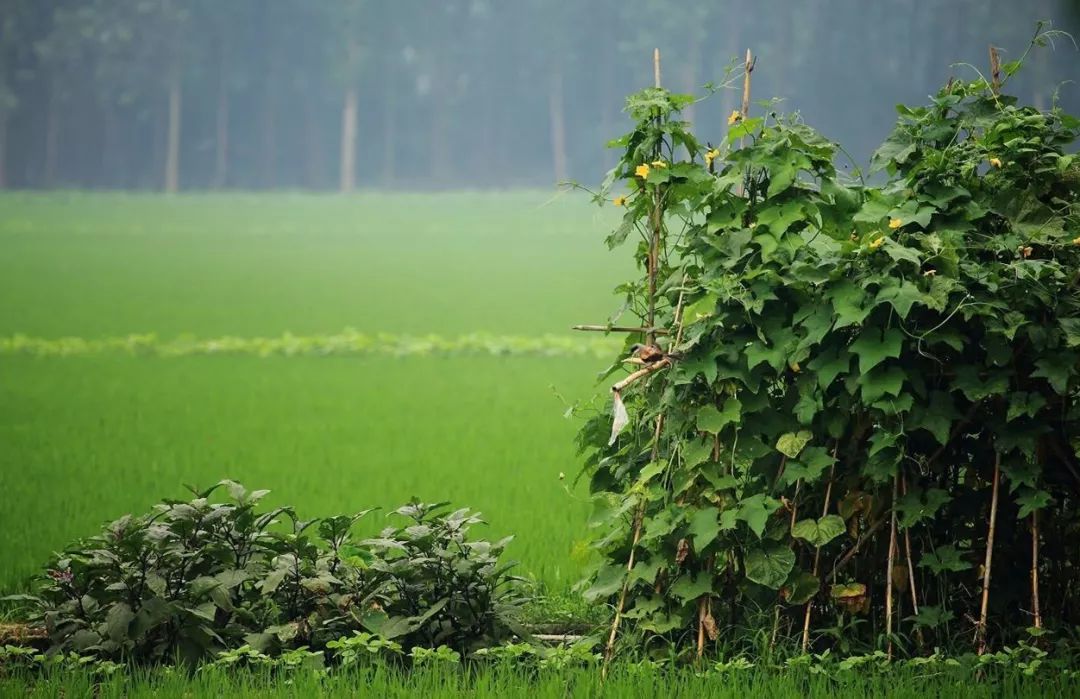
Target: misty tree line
338, 94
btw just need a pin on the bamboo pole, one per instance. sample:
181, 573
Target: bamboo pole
639, 374
890, 560
618, 329
657, 223
748, 68
817, 556
995, 70
639, 515
1035, 569
980, 630
911, 568
704, 613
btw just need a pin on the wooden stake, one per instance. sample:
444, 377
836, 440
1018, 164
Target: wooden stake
995, 70
891, 559
1035, 569
980, 630
748, 68
911, 569
704, 612
657, 223
817, 556
639, 374
618, 329
639, 515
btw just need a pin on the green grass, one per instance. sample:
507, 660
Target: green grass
87, 439
84, 440
93, 265
499, 683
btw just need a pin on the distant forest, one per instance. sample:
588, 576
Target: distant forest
426, 94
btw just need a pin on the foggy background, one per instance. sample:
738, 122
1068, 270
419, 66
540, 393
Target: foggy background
426, 94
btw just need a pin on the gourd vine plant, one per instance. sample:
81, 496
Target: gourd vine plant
859, 384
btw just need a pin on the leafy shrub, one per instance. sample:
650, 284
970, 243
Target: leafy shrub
192, 579
443, 589
853, 373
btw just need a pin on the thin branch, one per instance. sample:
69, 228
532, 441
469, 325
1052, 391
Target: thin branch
641, 373
995, 70
980, 630
846, 558
911, 569
817, 553
618, 329
889, 562
1035, 568
639, 515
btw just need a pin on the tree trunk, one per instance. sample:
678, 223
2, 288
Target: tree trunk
172, 145
3, 149
108, 129
558, 125
313, 146
348, 140
221, 141
52, 139
389, 164
269, 137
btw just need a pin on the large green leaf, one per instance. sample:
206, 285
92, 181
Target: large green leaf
791, 443
755, 511
1030, 500
609, 580
704, 527
118, 621
769, 564
1057, 368
819, 532
849, 303
875, 346
800, 587
700, 310
944, 559
881, 382
902, 295
712, 420
689, 587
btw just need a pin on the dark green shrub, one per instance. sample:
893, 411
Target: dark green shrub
864, 385
192, 579
441, 588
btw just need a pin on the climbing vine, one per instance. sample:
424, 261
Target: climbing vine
854, 420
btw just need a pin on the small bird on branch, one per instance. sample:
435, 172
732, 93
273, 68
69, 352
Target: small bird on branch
650, 354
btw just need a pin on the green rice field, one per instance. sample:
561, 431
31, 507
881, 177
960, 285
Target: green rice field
85, 439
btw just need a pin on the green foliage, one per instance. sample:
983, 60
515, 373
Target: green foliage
195, 578
838, 343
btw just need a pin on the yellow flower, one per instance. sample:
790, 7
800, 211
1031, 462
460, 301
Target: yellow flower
659, 164
642, 171
895, 223
1026, 251
711, 155
735, 116
619, 201
1076, 241
874, 245
995, 162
